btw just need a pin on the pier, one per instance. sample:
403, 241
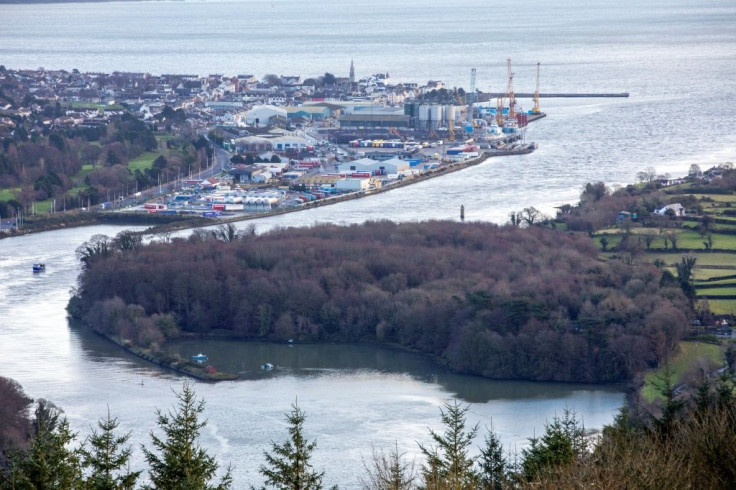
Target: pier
485, 97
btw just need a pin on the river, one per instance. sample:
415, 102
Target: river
354, 396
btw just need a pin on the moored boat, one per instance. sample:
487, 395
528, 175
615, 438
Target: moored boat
39, 267
199, 357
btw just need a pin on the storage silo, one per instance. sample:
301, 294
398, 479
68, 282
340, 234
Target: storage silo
436, 116
423, 116
449, 114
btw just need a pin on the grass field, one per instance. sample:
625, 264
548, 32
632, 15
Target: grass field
76, 190
722, 306
716, 291
84, 172
688, 353
703, 258
42, 207
700, 273
143, 162
686, 239
8, 194
717, 282
716, 197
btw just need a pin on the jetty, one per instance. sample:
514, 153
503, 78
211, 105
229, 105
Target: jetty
486, 96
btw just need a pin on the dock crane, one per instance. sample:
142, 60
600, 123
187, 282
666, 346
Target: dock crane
469, 126
535, 109
512, 99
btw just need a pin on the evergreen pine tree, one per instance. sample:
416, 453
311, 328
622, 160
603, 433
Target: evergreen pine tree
672, 406
107, 458
493, 464
448, 464
563, 440
48, 463
181, 464
288, 468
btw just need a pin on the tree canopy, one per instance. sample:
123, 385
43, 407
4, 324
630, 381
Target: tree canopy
501, 302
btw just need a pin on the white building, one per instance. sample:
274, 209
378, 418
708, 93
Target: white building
392, 166
261, 116
353, 185
289, 142
676, 208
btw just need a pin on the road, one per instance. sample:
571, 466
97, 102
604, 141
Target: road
221, 162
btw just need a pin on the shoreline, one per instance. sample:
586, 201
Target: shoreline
177, 223
414, 179
199, 371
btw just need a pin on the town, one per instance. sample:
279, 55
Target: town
235, 144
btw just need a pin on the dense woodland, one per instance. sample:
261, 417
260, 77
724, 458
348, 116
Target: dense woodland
500, 302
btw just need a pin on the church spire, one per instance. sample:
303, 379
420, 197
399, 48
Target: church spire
352, 73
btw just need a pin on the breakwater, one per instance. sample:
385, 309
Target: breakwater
485, 97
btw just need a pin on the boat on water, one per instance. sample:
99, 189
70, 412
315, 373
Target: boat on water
511, 126
199, 357
267, 367
39, 267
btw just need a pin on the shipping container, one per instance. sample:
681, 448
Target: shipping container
219, 207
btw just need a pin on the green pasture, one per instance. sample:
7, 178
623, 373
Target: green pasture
679, 364
83, 173
686, 240
144, 161
41, 207
717, 198
700, 276
717, 282
722, 306
76, 190
8, 194
703, 273
717, 291
703, 258
724, 226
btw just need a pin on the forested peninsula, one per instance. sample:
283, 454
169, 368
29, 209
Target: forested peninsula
496, 301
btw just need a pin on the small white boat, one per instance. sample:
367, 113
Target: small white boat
199, 357
267, 367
